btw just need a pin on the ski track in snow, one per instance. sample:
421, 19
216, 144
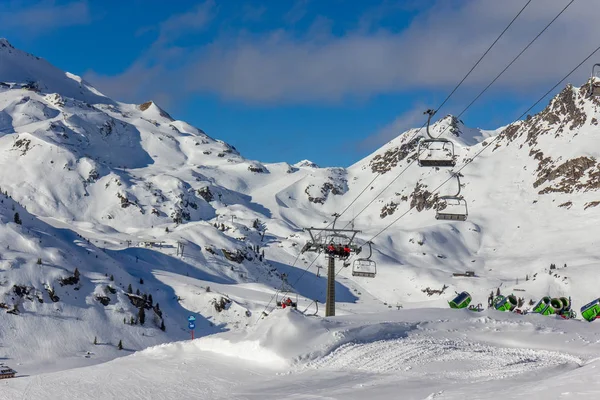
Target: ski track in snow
450, 359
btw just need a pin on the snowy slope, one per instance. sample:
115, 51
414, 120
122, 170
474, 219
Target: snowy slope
429, 354
128, 183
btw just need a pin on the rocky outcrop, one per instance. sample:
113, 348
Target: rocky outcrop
383, 163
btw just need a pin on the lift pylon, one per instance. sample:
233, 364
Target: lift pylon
335, 243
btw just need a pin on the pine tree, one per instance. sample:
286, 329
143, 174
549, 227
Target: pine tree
137, 291
157, 307
112, 278
124, 320
76, 273
129, 289
39, 261
141, 281
17, 218
498, 292
132, 321
95, 340
162, 326
120, 345
150, 299
142, 316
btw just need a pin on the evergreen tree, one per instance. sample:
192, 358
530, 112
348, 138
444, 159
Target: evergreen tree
157, 307
498, 292
141, 281
120, 345
150, 299
142, 316
162, 325
132, 321
112, 278
95, 340
124, 320
76, 273
137, 291
17, 219
129, 289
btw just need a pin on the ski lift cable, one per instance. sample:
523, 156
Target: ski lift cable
470, 104
276, 292
285, 293
494, 139
452, 175
301, 275
483, 56
466, 108
444, 102
516, 58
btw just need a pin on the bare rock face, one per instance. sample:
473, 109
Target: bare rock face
566, 178
562, 119
335, 184
422, 199
391, 158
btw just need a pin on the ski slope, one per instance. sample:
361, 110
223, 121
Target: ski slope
425, 354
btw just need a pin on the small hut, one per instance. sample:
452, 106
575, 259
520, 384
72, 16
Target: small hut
6, 372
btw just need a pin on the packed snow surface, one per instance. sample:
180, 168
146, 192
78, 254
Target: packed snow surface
421, 354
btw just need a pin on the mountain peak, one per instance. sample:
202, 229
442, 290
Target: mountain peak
22, 70
151, 108
5, 43
306, 163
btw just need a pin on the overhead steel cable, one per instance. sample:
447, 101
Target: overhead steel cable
446, 99
466, 108
470, 160
483, 56
419, 130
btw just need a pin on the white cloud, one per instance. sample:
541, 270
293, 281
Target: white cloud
407, 120
191, 21
433, 52
40, 16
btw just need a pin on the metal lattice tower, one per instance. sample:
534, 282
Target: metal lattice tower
321, 240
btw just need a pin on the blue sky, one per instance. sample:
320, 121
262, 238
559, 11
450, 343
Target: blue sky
287, 80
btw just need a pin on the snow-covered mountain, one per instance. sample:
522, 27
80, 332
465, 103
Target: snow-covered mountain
116, 191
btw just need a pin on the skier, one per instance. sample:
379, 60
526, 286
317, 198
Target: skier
331, 250
346, 251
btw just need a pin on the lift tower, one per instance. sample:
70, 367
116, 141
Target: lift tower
324, 240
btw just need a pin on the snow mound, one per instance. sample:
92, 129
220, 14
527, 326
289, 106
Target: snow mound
276, 341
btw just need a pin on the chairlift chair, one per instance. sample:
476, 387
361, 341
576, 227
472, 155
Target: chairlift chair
455, 206
365, 267
281, 301
594, 88
437, 156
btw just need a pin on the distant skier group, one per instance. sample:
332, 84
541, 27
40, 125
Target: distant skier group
342, 251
